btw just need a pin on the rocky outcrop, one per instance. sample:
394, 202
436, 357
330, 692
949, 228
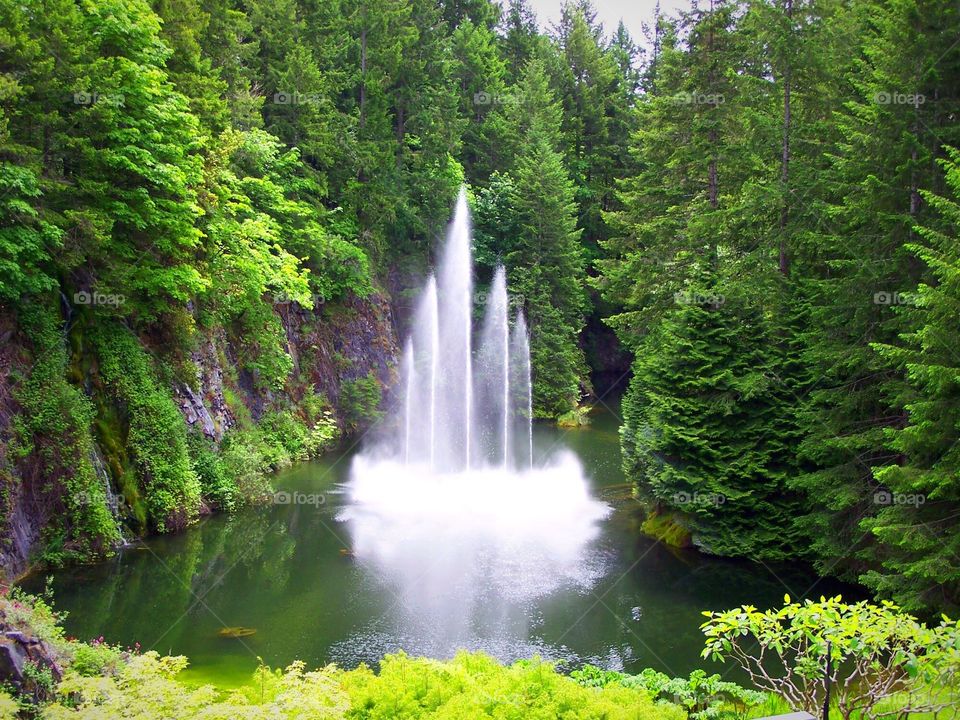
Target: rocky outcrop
202, 403
23, 660
19, 522
335, 344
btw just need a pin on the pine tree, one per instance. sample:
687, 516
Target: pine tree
544, 260
588, 82
480, 72
920, 494
520, 37
702, 434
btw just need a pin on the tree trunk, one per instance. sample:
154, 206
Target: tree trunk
785, 156
363, 75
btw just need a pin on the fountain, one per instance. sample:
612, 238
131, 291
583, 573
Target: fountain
450, 509
470, 396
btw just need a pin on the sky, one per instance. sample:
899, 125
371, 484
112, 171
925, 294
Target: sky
633, 12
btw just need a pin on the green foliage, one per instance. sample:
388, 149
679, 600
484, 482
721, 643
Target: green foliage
529, 218
156, 433
803, 185
360, 400
295, 438
920, 561
701, 696
145, 687
26, 241
474, 685
95, 659
54, 427
235, 473
35, 616
218, 485
8, 706
700, 430
877, 653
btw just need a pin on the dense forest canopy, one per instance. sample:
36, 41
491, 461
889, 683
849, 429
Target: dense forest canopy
759, 198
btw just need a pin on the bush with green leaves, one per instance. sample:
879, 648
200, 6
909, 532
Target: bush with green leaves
469, 686
145, 688
360, 401
156, 433
35, 616
216, 484
884, 663
702, 696
95, 658
8, 707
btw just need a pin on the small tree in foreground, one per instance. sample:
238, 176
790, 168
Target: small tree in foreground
883, 663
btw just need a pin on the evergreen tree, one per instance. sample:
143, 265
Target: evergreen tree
545, 262
919, 496
870, 200
520, 37
701, 430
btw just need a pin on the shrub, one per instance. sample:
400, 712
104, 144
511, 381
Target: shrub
360, 401
35, 616
476, 686
701, 696
8, 707
146, 688
157, 436
470, 686
95, 659
877, 654
215, 485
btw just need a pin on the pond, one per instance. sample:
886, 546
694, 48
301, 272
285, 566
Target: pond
293, 573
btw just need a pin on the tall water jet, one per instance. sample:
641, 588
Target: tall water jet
409, 370
433, 325
423, 389
458, 410
492, 376
455, 293
523, 393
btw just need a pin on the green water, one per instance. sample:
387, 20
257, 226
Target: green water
287, 572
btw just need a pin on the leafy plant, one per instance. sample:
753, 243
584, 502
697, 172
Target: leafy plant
877, 654
95, 659
701, 696
157, 435
360, 401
